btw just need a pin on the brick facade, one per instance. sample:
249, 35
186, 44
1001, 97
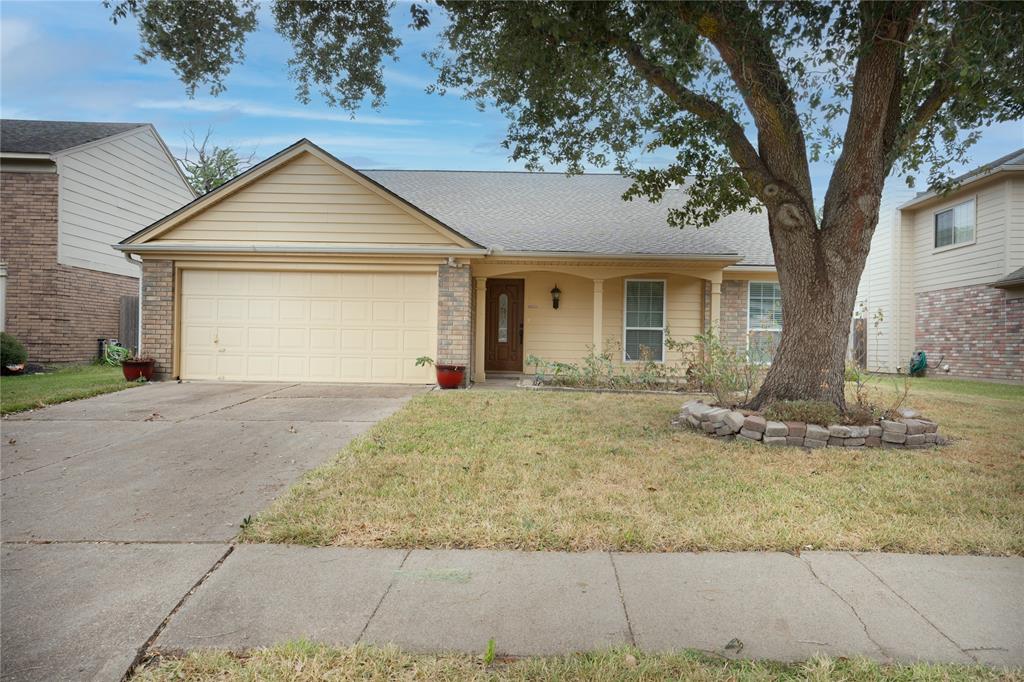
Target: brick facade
56, 311
455, 316
734, 313
158, 315
978, 331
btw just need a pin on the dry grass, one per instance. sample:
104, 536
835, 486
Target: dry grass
580, 471
305, 662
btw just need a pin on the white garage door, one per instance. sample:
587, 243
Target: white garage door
307, 326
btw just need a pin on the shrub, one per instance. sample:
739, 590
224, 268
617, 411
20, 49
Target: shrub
11, 350
728, 375
809, 411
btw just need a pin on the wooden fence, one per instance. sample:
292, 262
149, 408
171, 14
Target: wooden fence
128, 331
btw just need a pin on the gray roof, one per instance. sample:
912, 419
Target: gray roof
47, 137
518, 211
1014, 279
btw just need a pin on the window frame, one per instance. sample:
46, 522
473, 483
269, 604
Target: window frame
974, 225
625, 319
750, 291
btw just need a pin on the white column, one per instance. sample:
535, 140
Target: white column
598, 316
479, 336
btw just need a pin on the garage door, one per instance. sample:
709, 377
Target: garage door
307, 326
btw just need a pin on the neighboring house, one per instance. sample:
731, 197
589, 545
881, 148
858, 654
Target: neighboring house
945, 274
68, 192
304, 269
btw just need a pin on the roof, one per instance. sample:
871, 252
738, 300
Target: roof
48, 137
1014, 279
1012, 161
551, 212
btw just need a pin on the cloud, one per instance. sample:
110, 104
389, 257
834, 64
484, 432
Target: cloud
261, 110
15, 33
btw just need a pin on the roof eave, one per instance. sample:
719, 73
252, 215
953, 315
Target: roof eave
590, 255
929, 196
237, 249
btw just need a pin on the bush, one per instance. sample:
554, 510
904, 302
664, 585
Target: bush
728, 375
809, 411
603, 370
11, 351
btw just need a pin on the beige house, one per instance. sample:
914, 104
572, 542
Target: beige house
304, 269
68, 190
946, 276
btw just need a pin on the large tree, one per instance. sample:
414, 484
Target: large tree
207, 166
740, 96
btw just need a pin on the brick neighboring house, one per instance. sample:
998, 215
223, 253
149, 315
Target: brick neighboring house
305, 269
69, 191
947, 274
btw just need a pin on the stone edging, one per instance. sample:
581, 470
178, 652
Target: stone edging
905, 432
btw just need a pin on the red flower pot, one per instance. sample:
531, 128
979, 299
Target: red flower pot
133, 370
450, 376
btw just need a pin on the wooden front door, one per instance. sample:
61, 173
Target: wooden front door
504, 322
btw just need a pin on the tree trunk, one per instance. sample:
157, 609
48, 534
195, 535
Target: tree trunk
819, 289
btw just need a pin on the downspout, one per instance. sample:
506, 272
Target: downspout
138, 343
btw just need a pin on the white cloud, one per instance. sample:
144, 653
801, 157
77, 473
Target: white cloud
261, 110
15, 33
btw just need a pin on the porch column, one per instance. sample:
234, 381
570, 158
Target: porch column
479, 337
598, 315
716, 302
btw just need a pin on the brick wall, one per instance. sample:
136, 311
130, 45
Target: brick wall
979, 330
734, 313
158, 315
57, 311
455, 316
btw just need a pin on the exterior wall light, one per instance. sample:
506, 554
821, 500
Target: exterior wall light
556, 294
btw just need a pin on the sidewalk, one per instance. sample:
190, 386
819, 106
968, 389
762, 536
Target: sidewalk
889, 607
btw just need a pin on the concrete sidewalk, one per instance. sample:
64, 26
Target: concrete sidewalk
889, 607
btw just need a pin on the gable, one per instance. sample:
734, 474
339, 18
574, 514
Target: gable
308, 200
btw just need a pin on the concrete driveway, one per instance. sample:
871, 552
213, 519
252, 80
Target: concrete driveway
112, 508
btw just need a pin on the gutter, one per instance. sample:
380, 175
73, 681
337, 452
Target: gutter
265, 248
966, 183
138, 341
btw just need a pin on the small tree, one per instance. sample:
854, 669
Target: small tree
210, 166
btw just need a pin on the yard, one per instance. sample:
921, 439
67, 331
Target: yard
29, 391
300, 661
584, 471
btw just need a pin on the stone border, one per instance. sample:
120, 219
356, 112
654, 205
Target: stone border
905, 432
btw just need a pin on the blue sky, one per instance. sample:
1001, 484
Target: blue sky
67, 61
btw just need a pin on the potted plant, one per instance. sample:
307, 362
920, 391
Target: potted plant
448, 376
12, 354
138, 368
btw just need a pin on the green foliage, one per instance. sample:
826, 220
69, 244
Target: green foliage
489, 654
424, 360
809, 411
11, 351
603, 370
211, 166
727, 374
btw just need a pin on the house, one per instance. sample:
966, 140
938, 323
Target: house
944, 276
68, 191
304, 269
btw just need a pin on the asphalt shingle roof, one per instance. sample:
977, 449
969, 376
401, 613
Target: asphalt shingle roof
516, 211
1014, 279
47, 137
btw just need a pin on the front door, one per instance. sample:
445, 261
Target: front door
504, 317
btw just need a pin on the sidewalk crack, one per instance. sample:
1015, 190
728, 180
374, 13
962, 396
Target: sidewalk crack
140, 655
966, 652
240, 402
622, 600
888, 656
380, 601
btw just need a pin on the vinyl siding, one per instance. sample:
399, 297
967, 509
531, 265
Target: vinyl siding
306, 201
110, 190
1015, 233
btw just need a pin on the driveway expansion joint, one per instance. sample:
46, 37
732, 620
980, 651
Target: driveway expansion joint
140, 655
882, 650
241, 402
966, 652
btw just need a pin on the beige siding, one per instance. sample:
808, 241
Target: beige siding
306, 201
1015, 233
982, 262
110, 190
566, 334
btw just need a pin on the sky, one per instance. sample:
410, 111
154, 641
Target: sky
67, 61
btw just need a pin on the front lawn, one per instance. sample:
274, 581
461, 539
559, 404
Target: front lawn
303, 661
584, 471
30, 391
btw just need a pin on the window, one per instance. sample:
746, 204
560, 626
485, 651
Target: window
764, 321
503, 318
645, 320
955, 225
